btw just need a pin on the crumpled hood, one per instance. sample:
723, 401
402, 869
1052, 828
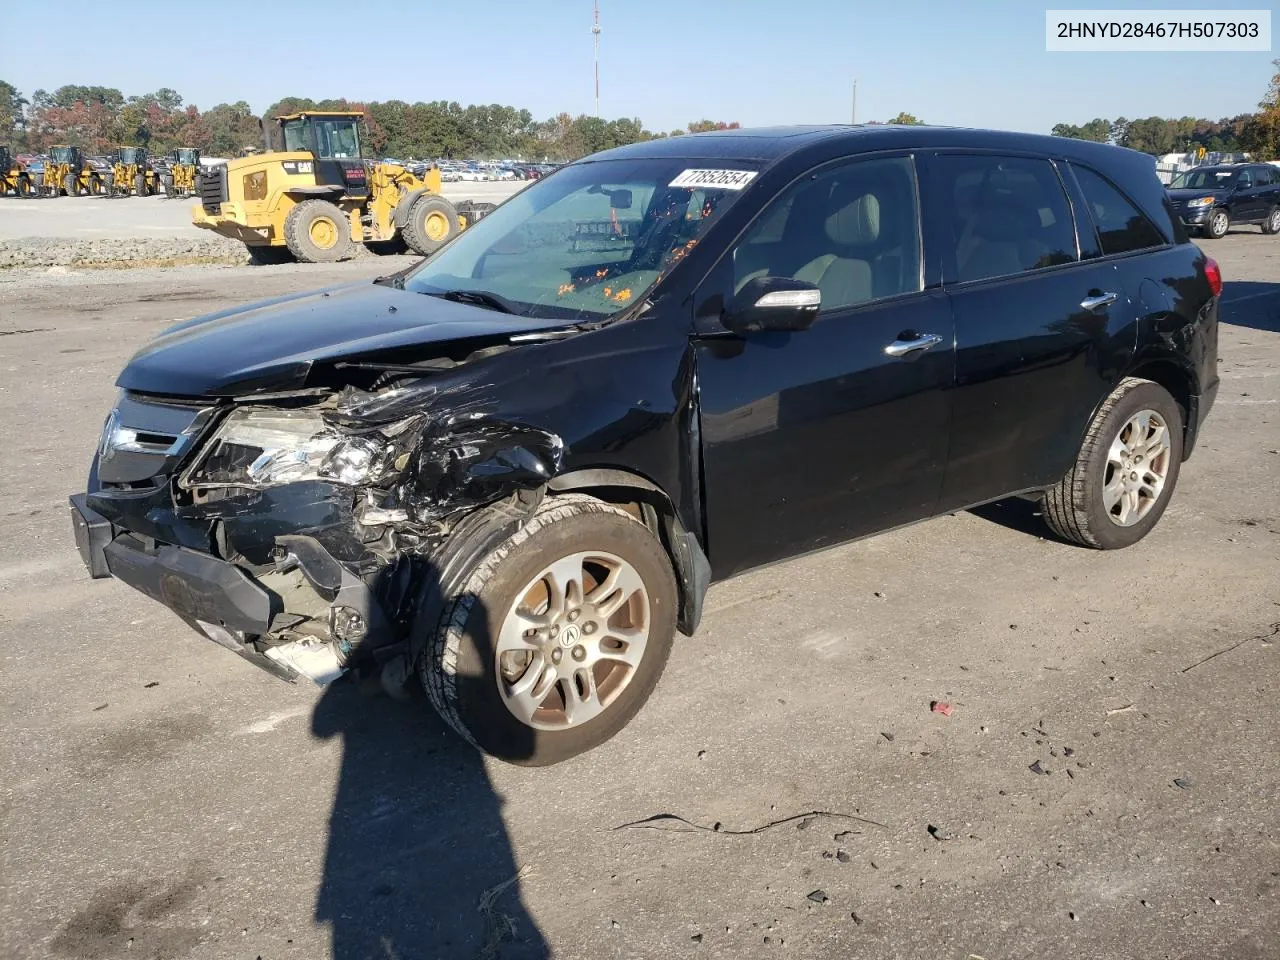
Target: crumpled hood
273, 344
1186, 193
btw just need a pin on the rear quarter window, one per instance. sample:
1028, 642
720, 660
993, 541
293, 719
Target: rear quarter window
1121, 226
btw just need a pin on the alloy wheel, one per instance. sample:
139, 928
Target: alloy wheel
572, 640
1137, 467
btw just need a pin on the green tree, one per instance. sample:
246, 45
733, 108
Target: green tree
232, 128
906, 119
12, 114
109, 97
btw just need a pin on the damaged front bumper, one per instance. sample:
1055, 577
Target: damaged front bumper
303, 616
297, 535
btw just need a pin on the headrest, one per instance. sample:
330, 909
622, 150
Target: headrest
856, 219
1005, 221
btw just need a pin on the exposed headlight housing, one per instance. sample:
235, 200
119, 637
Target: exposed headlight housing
1200, 202
257, 447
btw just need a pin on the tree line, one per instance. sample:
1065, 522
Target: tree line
98, 119
1257, 134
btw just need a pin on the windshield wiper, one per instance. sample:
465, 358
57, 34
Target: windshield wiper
480, 298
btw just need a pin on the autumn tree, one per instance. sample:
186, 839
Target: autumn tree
906, 119
1260, 134
705, 126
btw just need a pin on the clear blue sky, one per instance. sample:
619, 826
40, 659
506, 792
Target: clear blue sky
664, 61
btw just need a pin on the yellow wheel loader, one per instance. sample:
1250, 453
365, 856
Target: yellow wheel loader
130, 173
13, 179
316, 199
62, 172
184, 164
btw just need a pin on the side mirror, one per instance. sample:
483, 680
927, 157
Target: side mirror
772, 303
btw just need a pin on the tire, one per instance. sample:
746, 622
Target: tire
23, 187
433, 222
266, 256
1271, 222
459, 666
1076, 507
317, 231
70, 184
140, 185
1218, 225
166, 186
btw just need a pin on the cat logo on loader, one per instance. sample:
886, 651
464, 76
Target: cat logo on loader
318, 198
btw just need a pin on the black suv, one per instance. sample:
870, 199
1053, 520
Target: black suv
514, 468
1211, 199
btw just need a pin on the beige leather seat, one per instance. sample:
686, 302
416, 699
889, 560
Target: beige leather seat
823, 226
843, 280
999, 240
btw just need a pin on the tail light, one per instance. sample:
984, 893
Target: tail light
1213, 274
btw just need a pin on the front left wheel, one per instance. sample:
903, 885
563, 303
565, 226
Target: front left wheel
317, 231
558, 636
433, 222
1218, 225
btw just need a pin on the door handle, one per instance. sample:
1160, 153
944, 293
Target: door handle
1099, 300
901, 348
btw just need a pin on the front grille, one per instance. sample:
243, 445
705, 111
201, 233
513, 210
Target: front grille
145, 439
212, 186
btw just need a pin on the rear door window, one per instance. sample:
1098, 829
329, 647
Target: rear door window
1007, 215
1122, 227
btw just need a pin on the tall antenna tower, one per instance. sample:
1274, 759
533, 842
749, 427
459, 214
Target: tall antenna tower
595, 40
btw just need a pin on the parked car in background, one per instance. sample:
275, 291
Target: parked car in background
1209, 200
513, 468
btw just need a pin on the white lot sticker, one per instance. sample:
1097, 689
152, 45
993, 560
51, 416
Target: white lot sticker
714, 179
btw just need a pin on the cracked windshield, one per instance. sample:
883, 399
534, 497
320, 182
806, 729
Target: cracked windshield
587, 242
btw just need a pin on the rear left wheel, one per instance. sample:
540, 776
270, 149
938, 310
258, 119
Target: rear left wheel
557, 638
1271, 224
1125, 472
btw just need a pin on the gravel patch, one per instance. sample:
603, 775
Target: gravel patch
121, 253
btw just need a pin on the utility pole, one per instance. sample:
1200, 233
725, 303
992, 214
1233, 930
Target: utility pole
854, 117
595, 40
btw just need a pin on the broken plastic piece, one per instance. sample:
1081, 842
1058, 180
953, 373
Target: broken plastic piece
939, 706
314, 660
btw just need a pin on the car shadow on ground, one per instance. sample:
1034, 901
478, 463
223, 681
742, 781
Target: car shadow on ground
1251, 303
418, 863
1019, 514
